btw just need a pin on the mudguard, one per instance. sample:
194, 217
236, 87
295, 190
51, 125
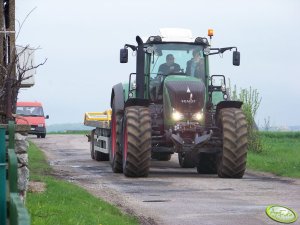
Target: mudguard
228, 104
137, 102
117, 94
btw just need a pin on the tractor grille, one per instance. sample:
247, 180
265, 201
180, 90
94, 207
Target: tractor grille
186, 96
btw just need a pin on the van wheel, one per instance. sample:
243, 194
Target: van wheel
43, 135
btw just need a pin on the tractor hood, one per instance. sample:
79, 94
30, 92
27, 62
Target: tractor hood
184, 93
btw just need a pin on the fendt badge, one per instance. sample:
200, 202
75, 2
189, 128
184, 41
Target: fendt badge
188, 101
188, 90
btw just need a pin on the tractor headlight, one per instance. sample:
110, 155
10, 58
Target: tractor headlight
198, 116
177, 115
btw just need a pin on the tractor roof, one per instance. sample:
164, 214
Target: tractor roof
176, 35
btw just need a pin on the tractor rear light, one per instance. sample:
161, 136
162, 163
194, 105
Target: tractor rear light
223, 88
206, 51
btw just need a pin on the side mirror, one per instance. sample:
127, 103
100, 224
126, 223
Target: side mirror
236, 58
123, 55
47, 117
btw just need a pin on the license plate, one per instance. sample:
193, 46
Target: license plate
32, 128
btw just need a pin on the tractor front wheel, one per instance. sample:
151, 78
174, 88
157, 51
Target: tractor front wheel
136, 141
232, 160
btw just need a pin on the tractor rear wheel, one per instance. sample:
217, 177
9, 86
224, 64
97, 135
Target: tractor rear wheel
115, 154
185, 160
207, 164
232, 160
161, 156
136, 141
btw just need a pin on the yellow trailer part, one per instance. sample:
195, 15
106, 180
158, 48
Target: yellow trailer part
98, 119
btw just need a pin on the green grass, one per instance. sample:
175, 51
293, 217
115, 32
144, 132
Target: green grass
281, 154
64, 203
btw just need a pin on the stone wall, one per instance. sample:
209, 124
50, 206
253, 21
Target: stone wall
21, 149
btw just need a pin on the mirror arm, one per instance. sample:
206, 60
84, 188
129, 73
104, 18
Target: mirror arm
133, 48
221, 50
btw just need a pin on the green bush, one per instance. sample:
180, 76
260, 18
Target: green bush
251, 102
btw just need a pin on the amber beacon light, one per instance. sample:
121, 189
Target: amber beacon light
210, 32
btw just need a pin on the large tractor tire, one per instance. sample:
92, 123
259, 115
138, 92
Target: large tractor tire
185, 160
115, 152
207, 164
232, 160
136, 141
161, 156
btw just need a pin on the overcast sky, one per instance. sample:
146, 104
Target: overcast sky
81, 40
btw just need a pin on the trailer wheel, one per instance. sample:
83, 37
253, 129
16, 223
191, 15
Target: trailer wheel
100, 156
185, 160
136, 142
92, 144
115, 154
232, 160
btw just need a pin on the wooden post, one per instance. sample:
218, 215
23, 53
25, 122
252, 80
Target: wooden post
7, 59
12, 95
2, 108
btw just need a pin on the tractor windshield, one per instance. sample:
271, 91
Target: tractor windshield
177, 59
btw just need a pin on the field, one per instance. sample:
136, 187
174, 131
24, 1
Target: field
281, 154
64, 203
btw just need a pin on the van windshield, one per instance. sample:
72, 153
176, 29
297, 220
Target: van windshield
30, 111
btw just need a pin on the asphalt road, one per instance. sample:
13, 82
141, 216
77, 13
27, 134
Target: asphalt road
172, 195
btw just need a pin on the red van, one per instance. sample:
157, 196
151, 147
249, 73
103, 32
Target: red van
32, 113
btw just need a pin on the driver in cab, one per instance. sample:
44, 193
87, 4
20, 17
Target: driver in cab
169, 67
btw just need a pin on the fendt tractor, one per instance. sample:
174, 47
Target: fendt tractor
172, 104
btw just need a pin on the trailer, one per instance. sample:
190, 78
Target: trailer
99, 137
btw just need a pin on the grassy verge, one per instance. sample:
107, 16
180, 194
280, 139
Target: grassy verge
281, 154
64, 203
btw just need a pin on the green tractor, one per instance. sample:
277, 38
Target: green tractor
173, 105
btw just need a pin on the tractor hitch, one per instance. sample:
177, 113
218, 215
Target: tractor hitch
198, 141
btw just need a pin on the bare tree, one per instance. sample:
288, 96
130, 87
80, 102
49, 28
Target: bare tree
12, 71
